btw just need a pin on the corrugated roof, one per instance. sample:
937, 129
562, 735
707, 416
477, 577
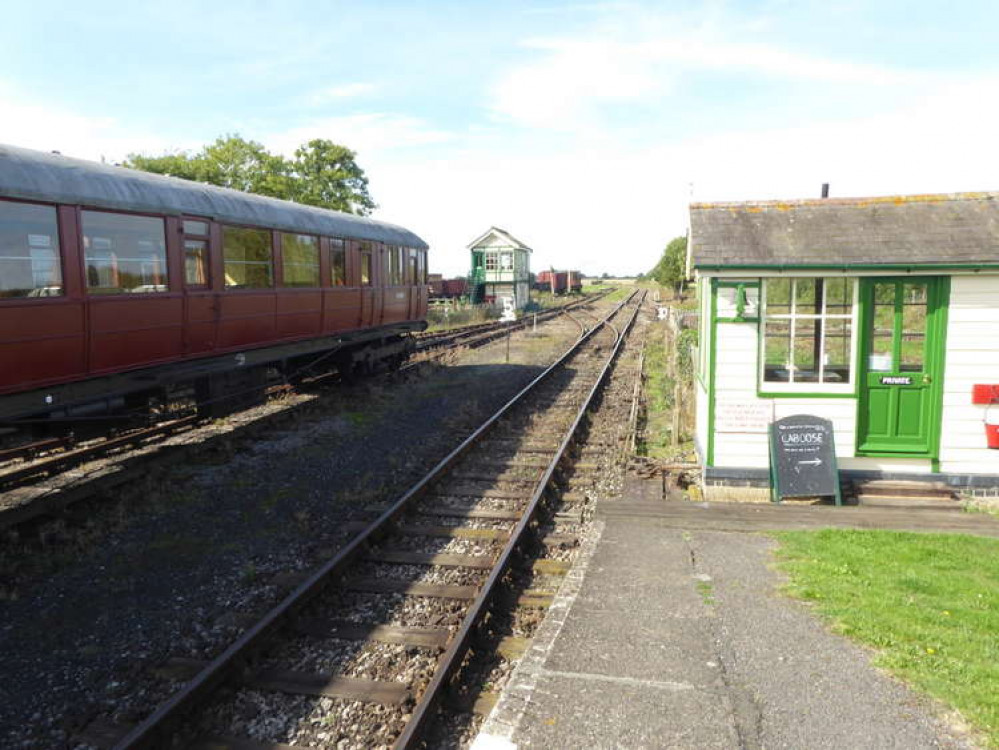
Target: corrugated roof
905, 229
36, 175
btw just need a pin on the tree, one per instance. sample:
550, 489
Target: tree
322, 173
328, 176
671, 270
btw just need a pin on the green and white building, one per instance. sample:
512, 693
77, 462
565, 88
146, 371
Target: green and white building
501, 267
880, 314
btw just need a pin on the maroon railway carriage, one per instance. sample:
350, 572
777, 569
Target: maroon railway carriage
115, 282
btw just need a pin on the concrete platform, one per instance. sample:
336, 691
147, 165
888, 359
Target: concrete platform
670, 633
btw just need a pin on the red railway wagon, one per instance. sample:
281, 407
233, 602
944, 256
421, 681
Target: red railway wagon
115, 281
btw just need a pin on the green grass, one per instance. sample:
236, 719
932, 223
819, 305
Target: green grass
929, 604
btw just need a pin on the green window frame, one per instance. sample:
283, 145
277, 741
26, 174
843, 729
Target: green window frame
808, 336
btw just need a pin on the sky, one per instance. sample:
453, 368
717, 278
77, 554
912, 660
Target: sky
584, 129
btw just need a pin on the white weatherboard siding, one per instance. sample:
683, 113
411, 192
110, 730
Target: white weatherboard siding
972, 357
701, 417
735, 382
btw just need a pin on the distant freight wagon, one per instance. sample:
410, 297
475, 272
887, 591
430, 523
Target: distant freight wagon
559, 282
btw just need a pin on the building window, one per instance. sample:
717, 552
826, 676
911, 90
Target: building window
300, 259
195, 253
365, 265
506, 261
808, 330
338, 263
30, 263
248, 258
491, 261
124, 254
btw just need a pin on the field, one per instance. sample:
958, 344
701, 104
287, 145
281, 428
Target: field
928, 604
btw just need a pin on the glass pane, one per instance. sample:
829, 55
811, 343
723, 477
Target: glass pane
778, 296
29, 251
123, 253
913, 327
839, 296
777, 351
836, 359
806, 350
806, 299
196, 227
248, 258
366, 269
300, 259
726, 299
338, 263
882, 329
195, 262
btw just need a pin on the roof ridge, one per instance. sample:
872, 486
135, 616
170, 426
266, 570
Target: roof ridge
898, 200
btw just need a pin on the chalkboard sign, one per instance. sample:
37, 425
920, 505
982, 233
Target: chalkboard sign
803, 458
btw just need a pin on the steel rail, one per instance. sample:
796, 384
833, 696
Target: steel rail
156, 726
453, 657
79, 455
437, 339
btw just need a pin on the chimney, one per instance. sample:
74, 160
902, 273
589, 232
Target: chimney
825, 189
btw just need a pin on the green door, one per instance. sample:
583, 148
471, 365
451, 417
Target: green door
902, 363
902, 360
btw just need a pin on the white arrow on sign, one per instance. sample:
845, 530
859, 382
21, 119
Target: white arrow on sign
810, 462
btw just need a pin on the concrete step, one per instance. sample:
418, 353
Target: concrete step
912, 489
908, 502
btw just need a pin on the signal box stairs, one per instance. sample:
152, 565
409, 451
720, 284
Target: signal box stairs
887, 493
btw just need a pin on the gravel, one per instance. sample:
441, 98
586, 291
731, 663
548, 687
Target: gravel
155, 573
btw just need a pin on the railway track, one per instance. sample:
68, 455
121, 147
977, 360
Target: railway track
480, 334
376, 634
31, 475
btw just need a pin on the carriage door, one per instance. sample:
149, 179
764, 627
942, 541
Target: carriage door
901, 367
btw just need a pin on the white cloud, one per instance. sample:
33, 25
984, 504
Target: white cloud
564, 87
366, 133
339, 92
31, 124
614, 208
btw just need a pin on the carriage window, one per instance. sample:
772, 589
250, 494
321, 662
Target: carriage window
412, 267
195, 253
365, 265
195, 262
29, 251
124, 254
338, 263
394, 269
300, 254
248, 258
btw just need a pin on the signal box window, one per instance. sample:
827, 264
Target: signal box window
300, 254
248, 258
29, 251
365, 265
338, 263
491, 261
195, 253
124, 254
808, 331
